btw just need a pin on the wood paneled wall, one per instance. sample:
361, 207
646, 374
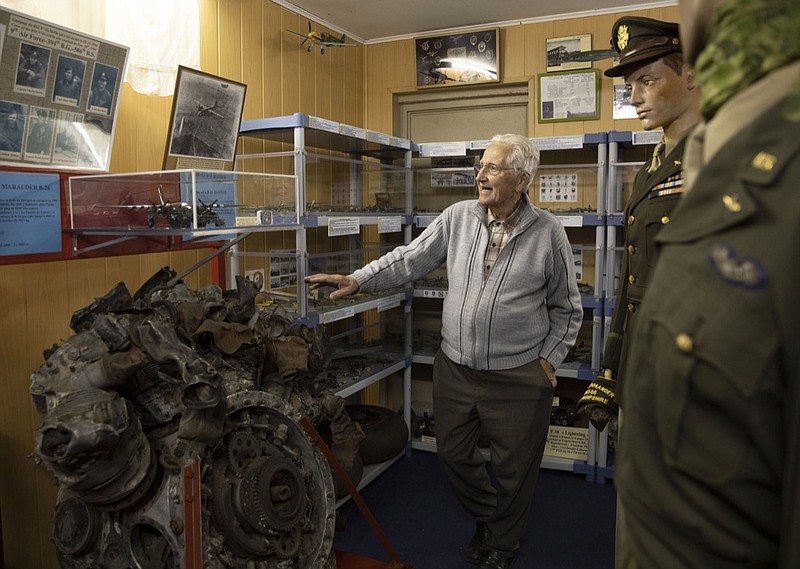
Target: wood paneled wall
391, 70
243, 40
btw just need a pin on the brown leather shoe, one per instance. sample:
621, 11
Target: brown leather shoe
479, 543
495, 559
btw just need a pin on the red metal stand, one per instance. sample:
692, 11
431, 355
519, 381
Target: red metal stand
192, 515
345, 560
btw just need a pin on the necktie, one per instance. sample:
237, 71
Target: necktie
658, 153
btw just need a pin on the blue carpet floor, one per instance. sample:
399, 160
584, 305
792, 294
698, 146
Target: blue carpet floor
571, 524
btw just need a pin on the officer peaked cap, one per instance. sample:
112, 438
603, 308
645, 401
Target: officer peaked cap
639, 40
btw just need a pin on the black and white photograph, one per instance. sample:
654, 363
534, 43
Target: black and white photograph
32, 67
101, 94
12, 128
68, 138
206, 115
51, 72
560, 52
69, 80
39, 138
622, 101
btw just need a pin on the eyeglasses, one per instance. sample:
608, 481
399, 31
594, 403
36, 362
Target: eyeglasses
493, 169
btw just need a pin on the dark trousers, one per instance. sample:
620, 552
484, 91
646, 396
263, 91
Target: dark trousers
511, 410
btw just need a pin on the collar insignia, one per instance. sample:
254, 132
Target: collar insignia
764, 161
622, 37
744, 273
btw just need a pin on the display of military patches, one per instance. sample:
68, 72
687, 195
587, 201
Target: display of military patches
558, 187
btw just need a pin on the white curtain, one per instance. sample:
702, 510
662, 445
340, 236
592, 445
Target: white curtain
161, 34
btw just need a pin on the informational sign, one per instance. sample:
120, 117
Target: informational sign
392, 224
59, 94
569, 96
30, 214
343, 226
215, 196
567, 442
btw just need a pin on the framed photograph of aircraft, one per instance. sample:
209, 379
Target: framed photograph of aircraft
205, 120
565, 54
461, 59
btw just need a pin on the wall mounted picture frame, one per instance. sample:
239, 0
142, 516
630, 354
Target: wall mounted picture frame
467, 58
205, 121
569, 96
49, 118
560, 52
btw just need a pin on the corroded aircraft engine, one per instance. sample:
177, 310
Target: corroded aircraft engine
155, 386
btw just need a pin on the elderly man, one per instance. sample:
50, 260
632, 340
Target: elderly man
511, 313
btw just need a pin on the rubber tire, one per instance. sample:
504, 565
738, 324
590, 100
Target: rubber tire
386, 432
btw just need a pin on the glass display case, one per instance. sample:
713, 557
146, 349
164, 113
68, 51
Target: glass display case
182, 201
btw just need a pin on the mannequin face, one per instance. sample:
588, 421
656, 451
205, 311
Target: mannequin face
660, 96
695, 16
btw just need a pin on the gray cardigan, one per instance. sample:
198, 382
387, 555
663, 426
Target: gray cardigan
528, 307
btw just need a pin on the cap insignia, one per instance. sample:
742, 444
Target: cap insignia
622, 37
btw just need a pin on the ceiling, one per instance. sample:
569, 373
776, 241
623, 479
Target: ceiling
373, 21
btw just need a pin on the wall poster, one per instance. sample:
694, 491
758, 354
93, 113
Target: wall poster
569, 96
59, 94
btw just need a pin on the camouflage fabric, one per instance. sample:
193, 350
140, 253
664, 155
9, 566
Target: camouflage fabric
747, 40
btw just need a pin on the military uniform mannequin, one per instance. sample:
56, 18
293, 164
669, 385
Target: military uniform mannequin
663, 92
708, 467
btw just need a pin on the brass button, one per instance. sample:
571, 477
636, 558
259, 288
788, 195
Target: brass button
631, 249
732, 204
684, 343
632, 279
665, 220
631, 219
631, 307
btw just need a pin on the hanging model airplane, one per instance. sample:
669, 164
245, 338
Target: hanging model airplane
322, 39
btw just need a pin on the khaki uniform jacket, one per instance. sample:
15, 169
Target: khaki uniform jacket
653, 198
709, 461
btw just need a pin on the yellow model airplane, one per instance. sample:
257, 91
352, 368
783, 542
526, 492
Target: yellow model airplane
322, 39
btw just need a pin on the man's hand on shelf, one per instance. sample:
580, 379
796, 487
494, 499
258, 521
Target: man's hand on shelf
597, 402
345, 285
